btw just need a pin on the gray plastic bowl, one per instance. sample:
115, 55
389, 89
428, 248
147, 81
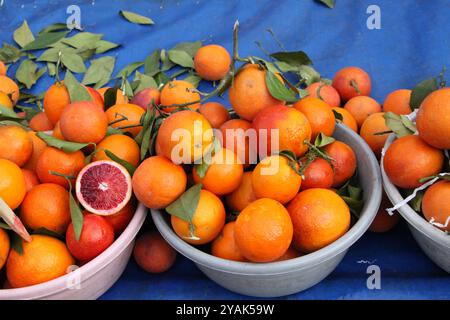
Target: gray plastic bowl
434, 242
286, 277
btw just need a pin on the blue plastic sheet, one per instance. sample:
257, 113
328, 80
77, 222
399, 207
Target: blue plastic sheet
412, 44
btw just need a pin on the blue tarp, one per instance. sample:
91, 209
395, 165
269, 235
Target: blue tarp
412, 44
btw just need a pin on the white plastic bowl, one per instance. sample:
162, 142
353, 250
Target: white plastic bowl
94, 278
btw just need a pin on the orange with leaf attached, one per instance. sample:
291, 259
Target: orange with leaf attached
351, 82
179, 92
126, 117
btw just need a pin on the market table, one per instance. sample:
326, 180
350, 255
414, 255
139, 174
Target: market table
411, 45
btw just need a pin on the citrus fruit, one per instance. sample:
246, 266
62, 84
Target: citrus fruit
249, 94
215, 113
351, 82
291, 253
224, 173
317, 174
371, 129
31, 179
56, 98
347, 118
19, 145
274, 178
409, 159
38, 147
103, 187
57, 132
361, 107
126, 117
179, 92
96, 97
8, 86
238, 137
433, 119
212, 62
319, 217
224, 246
319, 114
207, 221
43, 259
263, 231
40, 122
184, 137
343, 161
5, 101
55, 160
12, 183
121, 98
4, 247
153, 254
281, 128
157, 182
120, 220
83, 122
145, 97
398, 102
2, 69
435, 206
324, 92
243, 195
120, 145
96, 236
383, 221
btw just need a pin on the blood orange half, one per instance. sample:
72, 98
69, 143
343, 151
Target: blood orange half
103, 187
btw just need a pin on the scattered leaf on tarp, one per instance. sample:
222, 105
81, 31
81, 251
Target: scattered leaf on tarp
136, 18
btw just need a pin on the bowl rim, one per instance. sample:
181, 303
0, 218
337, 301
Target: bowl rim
412, 217
293, 265
87, 270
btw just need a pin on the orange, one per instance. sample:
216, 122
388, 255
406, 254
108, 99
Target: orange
4, 247
398, 102
121, 98
361, 107
57, 132
433, 119
5, 101
2, 69
351, 82
344, 162
237, 137
184, 137
43, 259
319, 217
224, 246
52, 159
96, 97
324, 92
212, 62
120, 145
153, 254
224, 174
207, 221
31, 179
8, 86
38, 146
243, 195
120, 220
40, 122
435, 206
263, 231
56, 98
157, 182
291, 253
375, 123
16, 144
83, 122
274, 178
46, 206
289, 125
215, 113
347, 118
179, 92
383, 221
318, 174
131, 115
146, 98
248, 92
319, 114
409, 159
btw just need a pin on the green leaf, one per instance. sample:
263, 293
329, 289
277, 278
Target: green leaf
10, 53
288, 154
136, 18
47, 232
338, 116
83, 40
323, 140
292, 58
278, 90
100, 71
328, 3
184, 207
28, 73
76, 90
76, 214
103, 46
85, 54
73, 62
181, 58
54, 27
308, 74
44, 40
63, 145
194, 79
416, 202
112, 131
161, 79
400, 125
23, 35
421, 91
151, 63
4, 226
51, 55
190, 48
166, 63
30, 112
110, 97
143, 81
8, 113
130, 168
16, 243
129, 69
143, 139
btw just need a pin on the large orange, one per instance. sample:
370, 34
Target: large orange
433, 119
43, 259
325, 92
8, 86
263, 231
5, 101
351, 82
40, 122
184, 137
212, 62
374, 124
435, 206
121, 98
179, 92
46, 206
274, 178
120, 145
52, 159
207, 221
398, 102
16, 144
224, 174
215, 113
248, 92
409, 159
319, 114
56, 98
238, 136
157, 182
224, 246
319, 217
243, 195
317, 174
126, 117
282, 128
38, 146
4, 247
343, 161
347, 118
361, 107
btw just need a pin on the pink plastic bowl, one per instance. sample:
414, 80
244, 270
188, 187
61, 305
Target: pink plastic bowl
92, 279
